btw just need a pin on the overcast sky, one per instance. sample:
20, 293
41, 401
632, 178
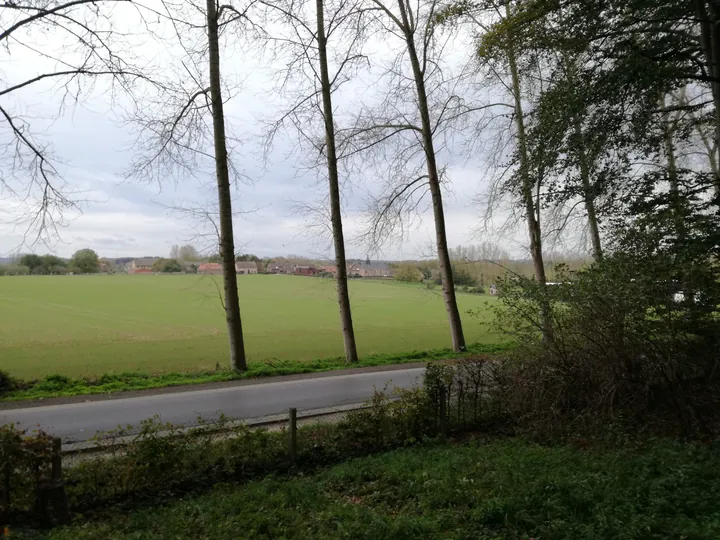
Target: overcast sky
127, 217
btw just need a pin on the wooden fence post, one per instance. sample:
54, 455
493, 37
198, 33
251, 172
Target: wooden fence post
56, 460
6, 472
292, 427
443, 411
52, 495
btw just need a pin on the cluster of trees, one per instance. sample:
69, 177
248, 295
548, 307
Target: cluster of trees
602, 117
83, 261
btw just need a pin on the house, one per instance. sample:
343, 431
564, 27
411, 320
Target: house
375, 269
246, 267
329, 269
280, 268
305, 271
216, 269
212, 269
143, 265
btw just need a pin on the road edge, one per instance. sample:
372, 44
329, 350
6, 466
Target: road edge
126, 394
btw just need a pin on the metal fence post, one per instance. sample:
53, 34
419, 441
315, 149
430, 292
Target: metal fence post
292, 427
443, 411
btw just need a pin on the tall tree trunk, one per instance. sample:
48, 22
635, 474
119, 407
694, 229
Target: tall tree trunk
533, 223
588, 195
335, 210
448, 283
710, 41
227, 242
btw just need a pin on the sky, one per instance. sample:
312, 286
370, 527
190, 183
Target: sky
130, 217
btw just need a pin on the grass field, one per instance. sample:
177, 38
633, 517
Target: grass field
91, 325
478, 490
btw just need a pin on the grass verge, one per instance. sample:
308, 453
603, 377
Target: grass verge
60, 385
508, 489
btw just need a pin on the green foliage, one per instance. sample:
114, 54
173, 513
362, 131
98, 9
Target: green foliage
508, 489
635, 336
32, 261
462, 276
171, 265
24, 465
7, 382
14, 270
247, 257
408, 273
85, 261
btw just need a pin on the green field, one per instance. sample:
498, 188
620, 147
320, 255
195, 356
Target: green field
91, 325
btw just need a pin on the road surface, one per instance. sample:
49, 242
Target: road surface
77, 422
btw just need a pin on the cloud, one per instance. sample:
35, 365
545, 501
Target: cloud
125, 218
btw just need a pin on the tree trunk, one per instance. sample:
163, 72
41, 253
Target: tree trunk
710, 42
533, 223
448, 283
588, 196
335, 210
227, 242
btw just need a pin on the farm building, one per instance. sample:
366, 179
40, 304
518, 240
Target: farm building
142, 265
217, 270
305, 271
375, 269
246, 267
210, 269
280, 268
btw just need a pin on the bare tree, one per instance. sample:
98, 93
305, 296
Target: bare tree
403, 135
73, 47
311, 84
175, 135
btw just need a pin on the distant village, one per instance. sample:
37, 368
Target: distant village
359, 269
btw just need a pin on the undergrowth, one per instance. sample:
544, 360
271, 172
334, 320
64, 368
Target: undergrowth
509, 489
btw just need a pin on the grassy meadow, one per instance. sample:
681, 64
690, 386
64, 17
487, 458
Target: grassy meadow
85, 326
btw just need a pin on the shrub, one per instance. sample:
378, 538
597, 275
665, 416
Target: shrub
462, 277
7, 382
24, 466
621, 347
476, 290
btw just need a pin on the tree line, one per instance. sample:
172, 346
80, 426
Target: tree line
599, 121
83, 261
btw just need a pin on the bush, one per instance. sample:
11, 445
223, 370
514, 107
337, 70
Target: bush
462, 277
24, 466
476, 290
7, 382
611, 343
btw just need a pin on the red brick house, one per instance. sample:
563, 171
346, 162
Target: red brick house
305, 271
214, 269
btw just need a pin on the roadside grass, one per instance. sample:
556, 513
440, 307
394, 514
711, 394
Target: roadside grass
60, 385
498, 489
91, 326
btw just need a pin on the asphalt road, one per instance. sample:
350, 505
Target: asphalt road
76, 422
